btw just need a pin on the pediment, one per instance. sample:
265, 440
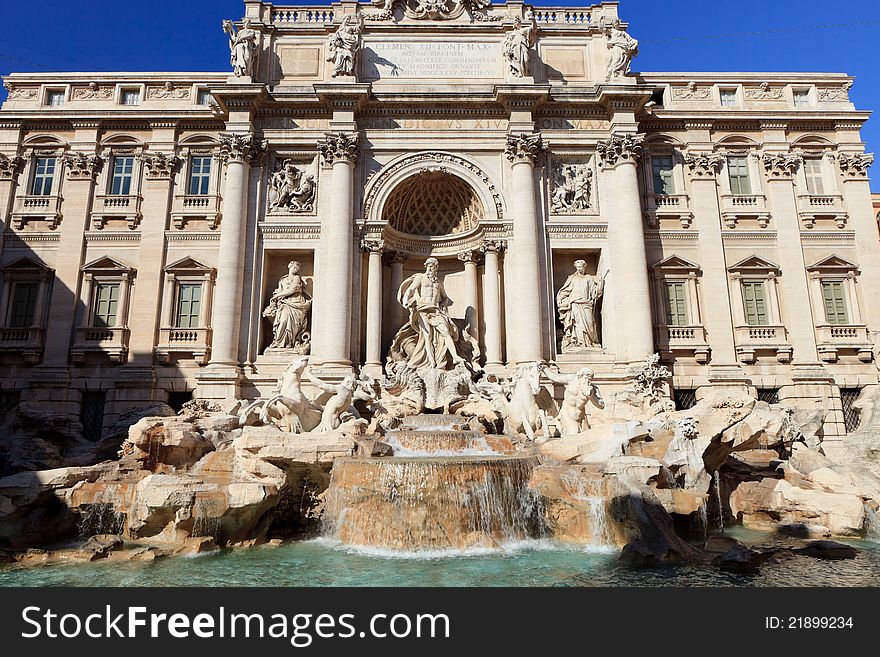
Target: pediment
188, 264
754, 264
25, 264
676, 263
833, 262
107, 264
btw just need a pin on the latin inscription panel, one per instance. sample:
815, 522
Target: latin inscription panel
430, 60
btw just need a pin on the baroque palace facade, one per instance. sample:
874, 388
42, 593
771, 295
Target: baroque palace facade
580, 214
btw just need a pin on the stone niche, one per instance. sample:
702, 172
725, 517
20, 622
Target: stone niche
562, 268
275, 266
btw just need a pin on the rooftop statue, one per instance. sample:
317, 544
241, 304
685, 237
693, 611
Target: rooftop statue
344, 45
623, 48
517, 46
242, 48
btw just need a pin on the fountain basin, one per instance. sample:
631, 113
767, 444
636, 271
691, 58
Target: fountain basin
432, 503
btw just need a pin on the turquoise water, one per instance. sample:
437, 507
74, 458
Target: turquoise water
324, 563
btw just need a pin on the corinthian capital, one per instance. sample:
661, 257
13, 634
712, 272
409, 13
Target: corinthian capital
373, 245
159, 165
9, 166
780, 166
855, 165
620, 149
81, 166
238, 147
703, 165
339, 146
524, 148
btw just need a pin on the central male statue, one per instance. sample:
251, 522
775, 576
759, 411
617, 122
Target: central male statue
430, 339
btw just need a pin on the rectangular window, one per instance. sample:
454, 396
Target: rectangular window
106, 305
835, 302
130, 97
44, 176
91, 413
738, 172
661, 169
676, 305
754, 303
55, 97
728, 97
813, 173
24, 304
203, 97
123, 170
851, 412
801, 97
199, 175
189, 302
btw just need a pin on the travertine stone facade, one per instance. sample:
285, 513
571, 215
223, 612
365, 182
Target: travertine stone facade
150, 220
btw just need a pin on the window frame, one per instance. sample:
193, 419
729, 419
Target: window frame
15, 286
744, 158
25, 270
122, 88
755, 284
803, 92
48, 90
97, 287
115, 158
724, 92
657, 174
187, 282
684, 313
818, 174
35, 175
205, 180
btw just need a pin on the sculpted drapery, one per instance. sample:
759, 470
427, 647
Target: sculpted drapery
576, 301
289, 307
242, 48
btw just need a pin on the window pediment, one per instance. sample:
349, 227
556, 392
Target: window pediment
754, 265
675, 264
833, 264
188, 265
25, 265
107, 265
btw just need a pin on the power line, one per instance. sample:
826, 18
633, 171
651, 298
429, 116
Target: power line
49, 54
783, 30
27, 62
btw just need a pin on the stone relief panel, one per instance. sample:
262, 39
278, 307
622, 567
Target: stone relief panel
93, 92
168, 92
691, 92
571, 186
764, 92
293, 186
438, 10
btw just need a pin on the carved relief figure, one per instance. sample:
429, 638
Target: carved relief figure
623, 48
430, 339
289, 309
579, 390
290, 188
571, 187
337, 407
242, 48
344, 45
576, 301
517, 45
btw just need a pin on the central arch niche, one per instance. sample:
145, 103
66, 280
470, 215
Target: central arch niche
433, 204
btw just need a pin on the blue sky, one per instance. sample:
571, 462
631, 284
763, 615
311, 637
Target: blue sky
676, 35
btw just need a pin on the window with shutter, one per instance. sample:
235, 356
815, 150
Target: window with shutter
189, 301
24, 304
813, 173
106, 305
738, 173
661, 169
676, 305
835, 302
754, 303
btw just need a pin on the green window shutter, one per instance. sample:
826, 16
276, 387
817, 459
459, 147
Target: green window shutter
835, 303
189, 301
106, 305
738, 173
661, 169
676, 307
24, 303
755, 303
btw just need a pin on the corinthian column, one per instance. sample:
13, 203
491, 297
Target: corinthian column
628, 281
237, 151
339, 151
525, 342
374, 303
492, 304
471, 291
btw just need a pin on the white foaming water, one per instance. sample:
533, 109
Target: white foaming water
508, 548
482, 448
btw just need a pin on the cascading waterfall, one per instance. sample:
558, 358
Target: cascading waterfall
716, 485
100, 518
431, 503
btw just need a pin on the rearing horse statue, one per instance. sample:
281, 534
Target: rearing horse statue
289, 409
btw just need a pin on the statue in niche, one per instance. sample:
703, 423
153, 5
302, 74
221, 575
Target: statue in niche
579, 390
344, 45
517, 46
571, 188
623, 49
242, 48
576, 301
431, 343
289, 309
291, 189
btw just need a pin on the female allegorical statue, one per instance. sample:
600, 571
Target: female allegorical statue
289, 307
517, 44
242, 48
576, 301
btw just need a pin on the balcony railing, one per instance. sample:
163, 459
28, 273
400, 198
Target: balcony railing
831, 339
195, 342
683, 338
37, 208
752, 339
302, 15
811, 206
107, 207
112, 341
196, 207
746, 203
25, 341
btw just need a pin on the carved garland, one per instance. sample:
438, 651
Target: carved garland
434, 158
81, 166
160, 165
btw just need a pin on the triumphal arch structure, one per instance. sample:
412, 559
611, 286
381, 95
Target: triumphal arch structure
172, 234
